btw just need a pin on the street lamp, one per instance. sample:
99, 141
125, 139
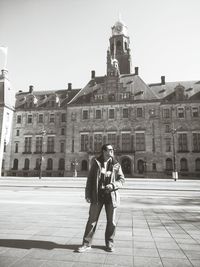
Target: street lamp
73, 119
175, 172
43, 132
74, 163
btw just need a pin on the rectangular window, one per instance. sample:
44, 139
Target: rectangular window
63, 117
50, 144
4, 148
28, 143
195, 112
166, 113
111, 114
181, 113
38, 147
85, 114
140, 142
154, 168
84, 142
98, 142
125, 96
40, 118
98, 113
62, 131
168, 144
196, 142
125, 113
19, 118
126, 142
62, 147
17, 133
112, 139
52, 117
139, 112
167, 128
182, 142
16, 147
30, 118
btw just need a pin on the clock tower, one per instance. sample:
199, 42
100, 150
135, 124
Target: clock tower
119, 47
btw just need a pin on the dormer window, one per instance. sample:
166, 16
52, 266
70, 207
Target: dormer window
179, 93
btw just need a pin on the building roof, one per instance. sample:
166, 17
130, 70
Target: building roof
191, 89
40, 99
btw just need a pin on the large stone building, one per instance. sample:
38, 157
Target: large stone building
154, 128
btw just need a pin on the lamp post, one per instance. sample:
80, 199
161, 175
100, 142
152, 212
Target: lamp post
74, 163
43, 132
73, 118
175, 172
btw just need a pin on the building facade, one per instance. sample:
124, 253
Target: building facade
154, 128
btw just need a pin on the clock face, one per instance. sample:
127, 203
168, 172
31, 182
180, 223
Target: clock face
118, 28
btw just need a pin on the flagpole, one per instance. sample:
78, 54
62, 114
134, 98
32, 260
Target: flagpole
5, 52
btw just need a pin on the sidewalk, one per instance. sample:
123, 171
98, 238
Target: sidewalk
46, 235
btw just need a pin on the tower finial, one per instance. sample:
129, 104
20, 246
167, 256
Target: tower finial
120, 16
5, 52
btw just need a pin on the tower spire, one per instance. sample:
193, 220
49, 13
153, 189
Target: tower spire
5, 52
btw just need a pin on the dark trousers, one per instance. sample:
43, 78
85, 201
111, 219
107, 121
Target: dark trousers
94, 213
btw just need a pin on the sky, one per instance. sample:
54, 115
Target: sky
55, 42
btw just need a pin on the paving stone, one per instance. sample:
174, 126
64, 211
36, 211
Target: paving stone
167, 245
92, 258
28, 263
118, 260
147, 262
176, 263
150, 244
168, 253
56, 264
149, 252
7, 261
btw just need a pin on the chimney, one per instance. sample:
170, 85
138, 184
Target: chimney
31, 89
136, 70
93, 74
69, 86
162, 80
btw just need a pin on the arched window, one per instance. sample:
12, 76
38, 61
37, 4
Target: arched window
126, 165
26, 164
49, 164
15, 164
61, 165
169, 164
37, 164
84, 165
197, 164
183, 164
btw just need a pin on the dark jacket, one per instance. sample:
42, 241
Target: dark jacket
117, 180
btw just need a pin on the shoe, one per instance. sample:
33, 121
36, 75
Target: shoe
83, 248
110, 249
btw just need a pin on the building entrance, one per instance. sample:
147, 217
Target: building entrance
140, 166
126, 166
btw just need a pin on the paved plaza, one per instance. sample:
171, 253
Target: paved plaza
42, 224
